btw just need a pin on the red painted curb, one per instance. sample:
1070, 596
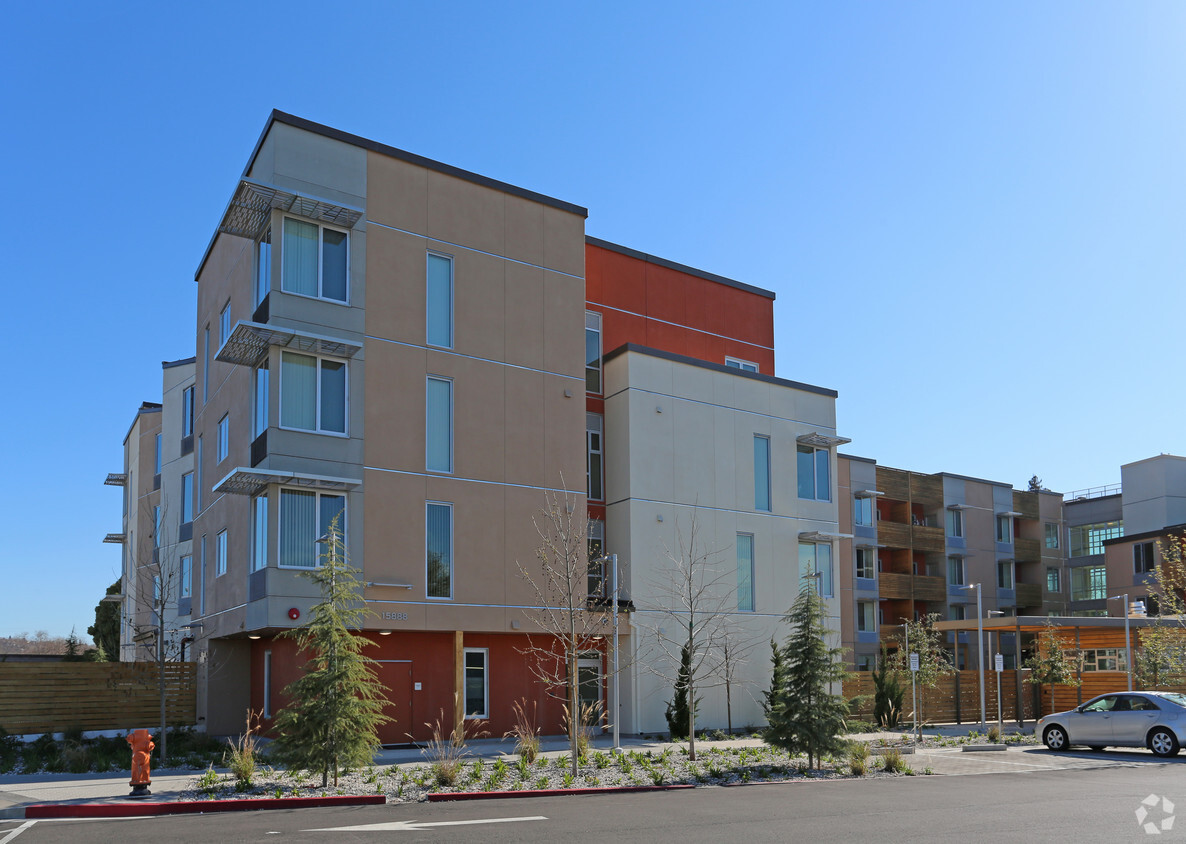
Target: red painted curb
550, 792
190, 807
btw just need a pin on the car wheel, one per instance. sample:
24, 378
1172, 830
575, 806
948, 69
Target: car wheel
1055, 738
1163, 743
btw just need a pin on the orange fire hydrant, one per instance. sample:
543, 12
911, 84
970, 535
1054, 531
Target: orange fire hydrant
142, 747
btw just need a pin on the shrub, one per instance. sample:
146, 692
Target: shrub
240, 756
892, 760
858, 758
525, 732
447, 747
208, 783
994, 734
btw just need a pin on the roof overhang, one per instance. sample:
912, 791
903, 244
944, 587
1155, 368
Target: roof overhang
244, 481
250, 209
818, 440
1037, 623
249, 342
821, 536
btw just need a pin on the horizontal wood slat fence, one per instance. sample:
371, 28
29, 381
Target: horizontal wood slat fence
51, 697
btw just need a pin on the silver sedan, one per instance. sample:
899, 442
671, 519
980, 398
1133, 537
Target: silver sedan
1156, 720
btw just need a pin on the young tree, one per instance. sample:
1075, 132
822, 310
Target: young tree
105, 630
778, 679
887, 694
1050, 664
1161, 658
933, 661
736, 648
806, 715
572, 623
337, 704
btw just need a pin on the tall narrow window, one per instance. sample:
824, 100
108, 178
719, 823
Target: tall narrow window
438, 432
157, 469
955, 570
224, 437
598, 587
224, 325
1004, 529
202, 578
156, 526
745, 572
1004, 574
267, 684
815, 564
440, 301
314, 261
814, 470
187, 569
1051, 535
206, 366
594, 470
187, 412
304, 518
259, 411
1142, 558
259, 532
955, 523
862, 511
866, 563
476, 683
439, 550
592, 352
220, 552
866, 617
761, 473
312, 393
187, 497
198, 477
1053, 579
263, 267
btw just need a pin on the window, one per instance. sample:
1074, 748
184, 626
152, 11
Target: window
1087, 540
157, 459
259, 532
476, 683
1004, 528
187, 569
259, 410
187, 412
761, 473
267, 713
816, 559
438, 549
594, 471
1051, 535
1053, 579
263, 267
743, 365
304, 518
202, 579
956, 612
745, 572
439, 425
1142, 558
1104, 659
1089, 583
439, 310
862, 511
220, 550
314, 260
156, 591
866, 617
955, 571
312, 393
206, 367
156, 526
866, 563
592, 352
224, 325
1004, 574
198, 477
955, 523
598, 588
224, 437
866, 662
814, 475
187, 497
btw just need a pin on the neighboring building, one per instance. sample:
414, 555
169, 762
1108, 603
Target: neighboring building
1093, 516
921, 542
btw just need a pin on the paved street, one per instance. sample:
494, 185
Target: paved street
1096, 804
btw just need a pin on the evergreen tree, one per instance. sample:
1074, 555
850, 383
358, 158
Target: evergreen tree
105, 630
679, 712
778, 678
73, 651
806, 716
887, 694
337, 705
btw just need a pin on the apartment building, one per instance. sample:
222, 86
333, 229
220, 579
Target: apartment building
928, 543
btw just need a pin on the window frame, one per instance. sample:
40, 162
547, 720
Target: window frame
593, 326
1057, 579
827, 577
740, 363
321, 228
260, 397
592, 430
861, 625
1003, 567
263, 267
448, 505
223, 446
430, 425
1052, 534
1144, 558
187, 411
955, 522
159, 458
802, 449
428, 338
1004, 528
186, 567
485, 669
762, 486
317, 397
259, 532
956, 565
745, 574
318, 494
870, 564
220, 553
224, 324
187, 497
863, 503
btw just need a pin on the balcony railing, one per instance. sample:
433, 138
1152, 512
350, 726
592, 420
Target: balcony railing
1028, 595
1025, 550
927, 538
911, 587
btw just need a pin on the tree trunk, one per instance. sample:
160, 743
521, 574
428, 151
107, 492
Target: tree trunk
573, 710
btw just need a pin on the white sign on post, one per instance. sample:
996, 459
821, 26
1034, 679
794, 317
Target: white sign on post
1000, 660
914, 662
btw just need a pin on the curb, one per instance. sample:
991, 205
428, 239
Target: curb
552, 792
190, 807
983, 748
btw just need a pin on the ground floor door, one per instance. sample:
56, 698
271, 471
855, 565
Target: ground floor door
396, 675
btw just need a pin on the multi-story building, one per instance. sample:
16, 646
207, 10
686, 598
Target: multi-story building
924, 544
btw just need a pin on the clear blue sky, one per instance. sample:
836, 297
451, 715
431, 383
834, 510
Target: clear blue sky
973, 217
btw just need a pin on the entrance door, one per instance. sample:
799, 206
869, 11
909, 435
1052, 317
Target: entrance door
589, 683
396, 675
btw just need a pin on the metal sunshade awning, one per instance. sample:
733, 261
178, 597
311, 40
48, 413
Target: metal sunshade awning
116, 479
821, 536
818, 440
244, 481
250, 209
249, 342
115, 538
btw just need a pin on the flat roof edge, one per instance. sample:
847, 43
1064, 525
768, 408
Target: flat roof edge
717, 367
672, 265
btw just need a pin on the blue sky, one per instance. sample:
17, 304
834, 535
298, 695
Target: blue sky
973, 217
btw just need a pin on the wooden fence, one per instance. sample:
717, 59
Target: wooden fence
54, 696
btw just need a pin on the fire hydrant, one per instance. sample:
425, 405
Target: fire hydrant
142, 747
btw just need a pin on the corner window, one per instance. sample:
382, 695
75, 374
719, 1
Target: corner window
745, 572
815, 563
438, 549
862, 511
955, 570
314, 260
224, 437
592, 352
438, 431
439, 302
1053, 579
1004, 529
224, 325
1088, 540
263, 267
220, 552
955, 523
304, 518
813, 468
1089, 583
761, 473
187, 571
1004, 574
187, 497
312, 393
187, 412
1051, 535
866, 563
1142, 558
743, 365
866, 617
259, 532
477, 683
594, 475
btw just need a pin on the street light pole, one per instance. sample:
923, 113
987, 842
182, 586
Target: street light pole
1127, 639
979, 647
994, 655
614, 562
913, 678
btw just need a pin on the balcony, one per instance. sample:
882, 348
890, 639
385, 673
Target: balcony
927, 538
1028, 595
911, 587
894, 483
894, 535
1027, 550
1026, 503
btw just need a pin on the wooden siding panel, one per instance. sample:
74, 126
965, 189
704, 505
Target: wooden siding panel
894, 483
1026, 503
